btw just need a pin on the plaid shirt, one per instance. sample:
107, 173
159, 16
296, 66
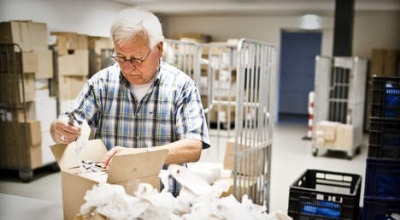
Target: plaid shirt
170, 111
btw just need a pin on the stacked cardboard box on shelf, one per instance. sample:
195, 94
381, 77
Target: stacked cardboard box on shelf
25, 72
73, 63
100, 49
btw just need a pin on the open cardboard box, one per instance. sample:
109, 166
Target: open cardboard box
127, 170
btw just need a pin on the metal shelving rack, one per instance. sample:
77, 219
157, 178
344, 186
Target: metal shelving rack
340, 84
236, 82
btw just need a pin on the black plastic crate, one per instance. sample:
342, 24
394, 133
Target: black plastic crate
320, 194
385, 97
384, 138
382, 179
380, 209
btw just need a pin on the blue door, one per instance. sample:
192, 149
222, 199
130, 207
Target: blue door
297, 71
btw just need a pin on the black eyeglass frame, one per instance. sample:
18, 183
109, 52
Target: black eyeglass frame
133, 60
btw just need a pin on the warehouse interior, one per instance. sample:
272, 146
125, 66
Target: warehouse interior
348, 41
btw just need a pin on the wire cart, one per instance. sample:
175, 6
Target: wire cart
339, 104
236, 81
16, 148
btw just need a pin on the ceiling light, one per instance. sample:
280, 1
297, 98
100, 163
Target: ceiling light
310, 22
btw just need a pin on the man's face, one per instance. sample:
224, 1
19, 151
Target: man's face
138, 62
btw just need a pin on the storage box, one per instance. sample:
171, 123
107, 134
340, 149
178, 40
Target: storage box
384, 138
67, 40
244, 187
253, 161
17, 152
325, 133
12, 63
386, 97
70, 86
29, 35
374, 209
13, 131
319, 194
127, 170
382, 179
14, 91
44, 64
344, 137
76, 64
98, 43
21, 157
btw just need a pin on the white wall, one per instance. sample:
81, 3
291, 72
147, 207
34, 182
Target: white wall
375, 30
264, 28
372, 29
92, 17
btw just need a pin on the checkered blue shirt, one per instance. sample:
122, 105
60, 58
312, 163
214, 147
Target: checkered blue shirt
170, 111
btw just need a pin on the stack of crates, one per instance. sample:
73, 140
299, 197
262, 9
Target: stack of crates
323, 195
382, 183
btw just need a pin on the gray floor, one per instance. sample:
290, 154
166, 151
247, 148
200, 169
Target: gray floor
291, 156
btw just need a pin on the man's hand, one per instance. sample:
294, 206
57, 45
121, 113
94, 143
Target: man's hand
64, 132
107, 159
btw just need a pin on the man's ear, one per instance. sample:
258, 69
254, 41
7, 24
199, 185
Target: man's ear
160, 48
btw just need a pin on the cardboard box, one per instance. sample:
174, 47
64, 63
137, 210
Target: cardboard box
14, 130
390, 62
67, 40
70, 86
98, 43
127, 170
21, 157
44, 64
61, 44
82, 43
244, 187
384, 62
252, 163
29, 35
13, 63
344, 136
326, 130
15, 32
38, 35
13, 91
76, 64
17, 152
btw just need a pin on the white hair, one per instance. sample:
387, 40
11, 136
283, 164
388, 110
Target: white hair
133, 22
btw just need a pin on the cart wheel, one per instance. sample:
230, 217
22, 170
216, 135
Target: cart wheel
315, 152
54, 167
26, 175
358, 150
349, 156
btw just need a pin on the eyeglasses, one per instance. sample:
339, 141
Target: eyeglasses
135, 61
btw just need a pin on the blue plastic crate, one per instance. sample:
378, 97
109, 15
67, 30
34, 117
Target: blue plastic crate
320, 194
384, 138
382, 179
386, 97
380, 209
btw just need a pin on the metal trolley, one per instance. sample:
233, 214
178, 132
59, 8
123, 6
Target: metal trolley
236, 81
340, 84
15, 149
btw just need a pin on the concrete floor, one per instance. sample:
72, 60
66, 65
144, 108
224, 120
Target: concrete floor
291, 156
